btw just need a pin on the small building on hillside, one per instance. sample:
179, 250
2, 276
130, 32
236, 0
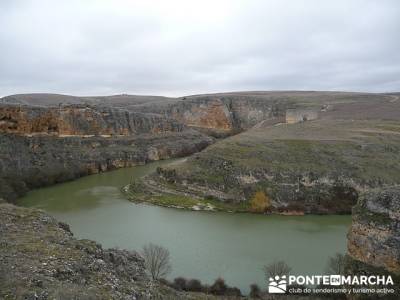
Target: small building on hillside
300, 115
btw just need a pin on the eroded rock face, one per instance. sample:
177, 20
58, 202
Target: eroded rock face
215, 114
374, 237
229, 114
81, 120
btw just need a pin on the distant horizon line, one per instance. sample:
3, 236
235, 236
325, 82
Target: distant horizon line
199, 94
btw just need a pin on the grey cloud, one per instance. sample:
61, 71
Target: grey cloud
185, 47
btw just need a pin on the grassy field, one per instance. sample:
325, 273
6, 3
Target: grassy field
366, 150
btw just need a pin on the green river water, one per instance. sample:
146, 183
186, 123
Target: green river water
203, 245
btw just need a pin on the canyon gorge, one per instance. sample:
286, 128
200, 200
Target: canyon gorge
306, 152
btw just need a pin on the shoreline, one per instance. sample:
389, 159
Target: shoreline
206, 206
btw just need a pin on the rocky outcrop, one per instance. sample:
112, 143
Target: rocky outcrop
226, 114
374, 237
41, 259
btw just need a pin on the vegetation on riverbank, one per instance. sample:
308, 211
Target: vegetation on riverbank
137, 192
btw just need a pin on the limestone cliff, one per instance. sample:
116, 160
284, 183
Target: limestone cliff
222, 114
81, 120
374, 237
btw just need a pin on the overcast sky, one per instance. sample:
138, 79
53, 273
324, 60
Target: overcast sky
185, 47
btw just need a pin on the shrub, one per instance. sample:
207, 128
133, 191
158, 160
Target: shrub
206, 289
233, 291
170, 175
219, 287
194, 285
255, 291
180, 283
260, 202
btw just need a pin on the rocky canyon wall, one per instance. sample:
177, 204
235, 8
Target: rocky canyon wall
81, 120
43, 145
44, 141
29, 162
228, 114
374, 237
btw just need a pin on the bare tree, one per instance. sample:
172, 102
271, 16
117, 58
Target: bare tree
277, 268
156, 259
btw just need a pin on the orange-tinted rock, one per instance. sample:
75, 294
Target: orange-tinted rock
79, 120
213, 114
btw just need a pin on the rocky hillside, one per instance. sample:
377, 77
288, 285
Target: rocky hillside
40, 259
311, 167
374, 237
